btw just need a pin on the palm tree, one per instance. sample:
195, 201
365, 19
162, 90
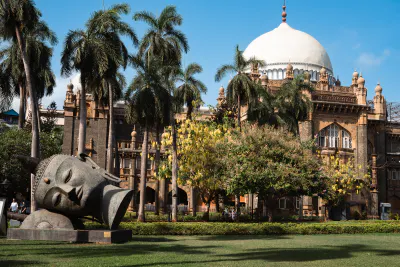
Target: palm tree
148, 101
241, 88
293, 105
165, 43
40, 55
108, 23
190, 89
88, 53
162, 40
263, 111
12, 78
19, 18
8, 84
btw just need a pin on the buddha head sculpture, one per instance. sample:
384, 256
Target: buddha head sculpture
76, 187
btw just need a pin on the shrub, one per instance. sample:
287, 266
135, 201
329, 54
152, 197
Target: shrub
205, 228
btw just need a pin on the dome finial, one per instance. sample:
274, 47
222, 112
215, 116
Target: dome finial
284, 14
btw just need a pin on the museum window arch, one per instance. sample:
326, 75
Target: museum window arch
334, 136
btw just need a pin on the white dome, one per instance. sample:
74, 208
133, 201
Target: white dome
285, 45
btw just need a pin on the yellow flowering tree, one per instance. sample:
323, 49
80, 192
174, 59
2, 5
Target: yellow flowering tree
199, 157
344, 179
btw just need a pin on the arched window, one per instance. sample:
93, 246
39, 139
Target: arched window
333, 135
346, 139
329, 137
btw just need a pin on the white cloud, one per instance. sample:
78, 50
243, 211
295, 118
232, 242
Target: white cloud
59, 91
366, 60
15, 104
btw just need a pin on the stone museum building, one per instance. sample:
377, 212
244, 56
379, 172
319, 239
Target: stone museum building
343, 122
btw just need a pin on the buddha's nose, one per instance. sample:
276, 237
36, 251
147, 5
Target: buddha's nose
67, 189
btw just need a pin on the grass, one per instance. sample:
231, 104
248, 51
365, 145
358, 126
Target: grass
317, 250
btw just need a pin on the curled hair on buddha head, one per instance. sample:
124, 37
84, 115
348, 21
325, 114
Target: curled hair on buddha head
39, 171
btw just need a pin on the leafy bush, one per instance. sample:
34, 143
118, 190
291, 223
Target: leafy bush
205, 228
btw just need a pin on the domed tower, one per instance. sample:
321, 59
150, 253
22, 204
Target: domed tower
379, 103
264, 80
285, 45
307, 77
355, 78
361, 91
221, 96
289, 72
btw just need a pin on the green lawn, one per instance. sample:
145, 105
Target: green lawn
311, 250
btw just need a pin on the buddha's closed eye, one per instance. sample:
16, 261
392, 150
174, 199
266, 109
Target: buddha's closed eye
67, 176
56, 199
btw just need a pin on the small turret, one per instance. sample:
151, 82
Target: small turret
221, 96
379, 103
307, 76
361, 91
355, 78
289, 72
264, 80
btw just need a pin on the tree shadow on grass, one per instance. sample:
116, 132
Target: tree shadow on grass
152, 239
242, 237
6, 263
288, 255
122, 250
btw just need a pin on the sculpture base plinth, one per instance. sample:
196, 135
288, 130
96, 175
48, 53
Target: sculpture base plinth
78, 236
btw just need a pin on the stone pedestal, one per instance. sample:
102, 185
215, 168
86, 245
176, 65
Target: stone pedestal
78, 236
374, 213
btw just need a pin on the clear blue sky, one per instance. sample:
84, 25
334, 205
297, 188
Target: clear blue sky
356, 34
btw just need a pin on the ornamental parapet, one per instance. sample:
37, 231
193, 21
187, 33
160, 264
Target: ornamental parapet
334, 98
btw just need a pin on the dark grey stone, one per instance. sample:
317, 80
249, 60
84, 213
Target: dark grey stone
70, 187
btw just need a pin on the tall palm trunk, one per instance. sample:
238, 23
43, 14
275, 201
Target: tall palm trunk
193, 200
163, 203
117, 168
21, 115
189, 112
82, 119
143, 174
32, 93
156, 167
237, 204
110, 161
239, 115
38, 116
174, 174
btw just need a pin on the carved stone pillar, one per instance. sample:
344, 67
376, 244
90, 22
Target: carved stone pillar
374, 209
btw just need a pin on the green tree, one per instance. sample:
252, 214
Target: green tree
190, 88
148, 100
271, 163
164, 43
294, 103
18, 142
344, 179
199, 157
20, 19
162, 40
241, 89
109, 23
90, 53
40, 55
